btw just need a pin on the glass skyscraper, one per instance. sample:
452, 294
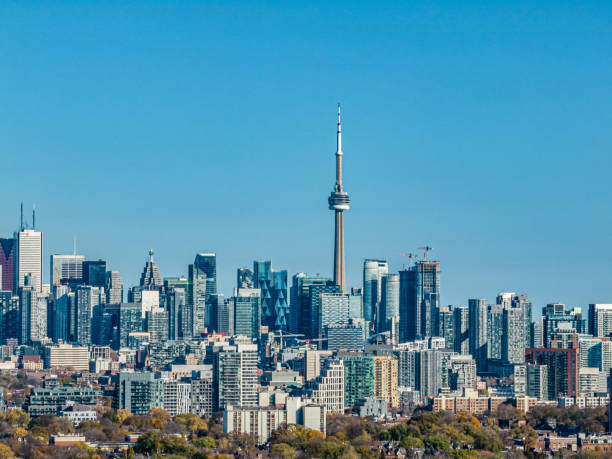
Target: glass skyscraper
419, 300
273, 286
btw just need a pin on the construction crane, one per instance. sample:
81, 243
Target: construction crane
426, 249
410, 257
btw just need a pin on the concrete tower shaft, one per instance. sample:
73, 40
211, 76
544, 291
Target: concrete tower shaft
339, 201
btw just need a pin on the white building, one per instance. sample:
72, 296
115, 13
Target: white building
66, 356
29, 258
176, 397
328, 389
261, 422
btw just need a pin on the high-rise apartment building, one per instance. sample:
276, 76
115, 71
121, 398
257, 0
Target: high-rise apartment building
419, 300
461, 339
389, 301
28, 258
87, 297
328, 388
373, 272
235, 376
446, 326
478, 336
358, 377
386, 379
600, 319
273, 286
513, 335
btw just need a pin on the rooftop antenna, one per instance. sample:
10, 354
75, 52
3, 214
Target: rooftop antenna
21, 228
34, 216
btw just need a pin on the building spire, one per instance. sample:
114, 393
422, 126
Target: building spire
339, 144
150, 255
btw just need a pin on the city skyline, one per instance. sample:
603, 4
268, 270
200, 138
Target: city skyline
154, 132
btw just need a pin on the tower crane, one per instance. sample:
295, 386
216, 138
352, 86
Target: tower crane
426, 249
410, 257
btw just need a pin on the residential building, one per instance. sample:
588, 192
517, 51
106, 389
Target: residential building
419, 300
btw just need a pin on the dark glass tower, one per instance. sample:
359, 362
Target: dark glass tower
273, 285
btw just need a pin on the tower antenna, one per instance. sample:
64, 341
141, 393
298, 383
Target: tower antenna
34, 216
21, 227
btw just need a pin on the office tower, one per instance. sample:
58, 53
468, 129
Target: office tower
419, 300
87, 297
150, 279
373, 273
202, 283
562, 365
7, 266
273, 286
28, 258
235, 376
247, 312
389, 301
244, 278
179, 314
157, 324
114, 288
386, 379
176, 282
478, 315
339, 202
66, 268
328, 388
302, 317
137, 393
513, 335
334, 309
446, 326
94, 273
358, 376
462, 372
600, 319
461, 330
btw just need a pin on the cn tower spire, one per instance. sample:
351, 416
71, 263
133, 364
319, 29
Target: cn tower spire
339, 202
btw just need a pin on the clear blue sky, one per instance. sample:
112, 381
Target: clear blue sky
481, 130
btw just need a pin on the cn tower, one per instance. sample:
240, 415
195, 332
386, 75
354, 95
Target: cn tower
339, 202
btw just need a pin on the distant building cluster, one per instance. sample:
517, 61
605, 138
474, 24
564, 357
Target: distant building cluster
286, 349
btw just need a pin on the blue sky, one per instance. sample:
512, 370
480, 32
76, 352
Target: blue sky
481, 130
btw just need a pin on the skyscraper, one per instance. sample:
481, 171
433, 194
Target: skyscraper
202, 283
244, 278
114, 287
7, 267
150, 278
389, 301
334, 310
373, 273
301, 313
247, 312
478, 312
339, 202
461, 329
419, 300
94, 273
65, 268
273, 286
28, 258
